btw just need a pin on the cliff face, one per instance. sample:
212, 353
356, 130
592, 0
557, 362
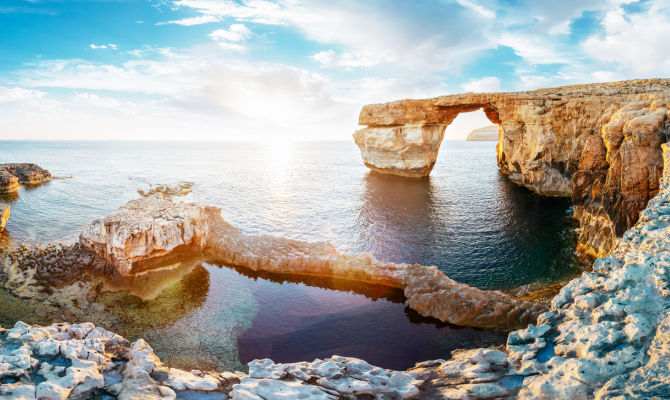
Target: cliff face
599, 144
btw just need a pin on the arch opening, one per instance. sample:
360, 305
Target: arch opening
466, 122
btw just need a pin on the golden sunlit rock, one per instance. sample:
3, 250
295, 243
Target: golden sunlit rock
598, 143
4, 215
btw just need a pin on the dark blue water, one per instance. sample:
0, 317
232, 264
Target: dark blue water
467, 219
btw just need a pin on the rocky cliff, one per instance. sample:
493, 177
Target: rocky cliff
598, 143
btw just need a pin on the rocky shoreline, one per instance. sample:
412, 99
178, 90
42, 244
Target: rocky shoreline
605, 336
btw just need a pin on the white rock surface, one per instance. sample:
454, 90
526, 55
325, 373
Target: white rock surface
409, 150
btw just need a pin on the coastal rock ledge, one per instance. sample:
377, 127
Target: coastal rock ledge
148, 232
598, 143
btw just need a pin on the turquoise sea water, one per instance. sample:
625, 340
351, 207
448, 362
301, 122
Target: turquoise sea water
466, 218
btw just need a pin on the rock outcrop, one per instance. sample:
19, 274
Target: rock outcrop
144, 232
8, 182
80, 361
599, 144
26, 174
4, 215
485, 134
409, 150
146, 229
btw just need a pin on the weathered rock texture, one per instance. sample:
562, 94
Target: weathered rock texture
142, 233
64, 361
144, 229
26, 174
487, 133
8, 182
81, 361
4, 215
598, 143
408, 150
606, 336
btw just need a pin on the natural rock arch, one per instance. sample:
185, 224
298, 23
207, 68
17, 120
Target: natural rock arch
599, 144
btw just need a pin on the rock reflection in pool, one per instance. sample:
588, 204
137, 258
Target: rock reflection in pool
217, 317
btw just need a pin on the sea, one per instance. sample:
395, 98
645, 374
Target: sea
467, 218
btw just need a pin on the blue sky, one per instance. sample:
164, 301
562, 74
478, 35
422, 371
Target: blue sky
292, 69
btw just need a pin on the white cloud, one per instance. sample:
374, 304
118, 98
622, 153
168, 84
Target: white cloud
486, 84
484, 12
330, 58
18, 94
95, 100
104, 46
220, 96
235, 33
410, 35
635, 44
199, 20
534, 49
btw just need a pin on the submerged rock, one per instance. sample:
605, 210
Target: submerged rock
598, 143
166, 191
143, 233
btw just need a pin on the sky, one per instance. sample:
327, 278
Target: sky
280, 70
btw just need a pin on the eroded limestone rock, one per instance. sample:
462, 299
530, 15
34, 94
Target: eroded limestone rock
63, 361
140, 234
432, 293
409, 150
27, 174
8, 182
144, 229
598, 143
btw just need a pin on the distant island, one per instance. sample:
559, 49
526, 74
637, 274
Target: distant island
484, 134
